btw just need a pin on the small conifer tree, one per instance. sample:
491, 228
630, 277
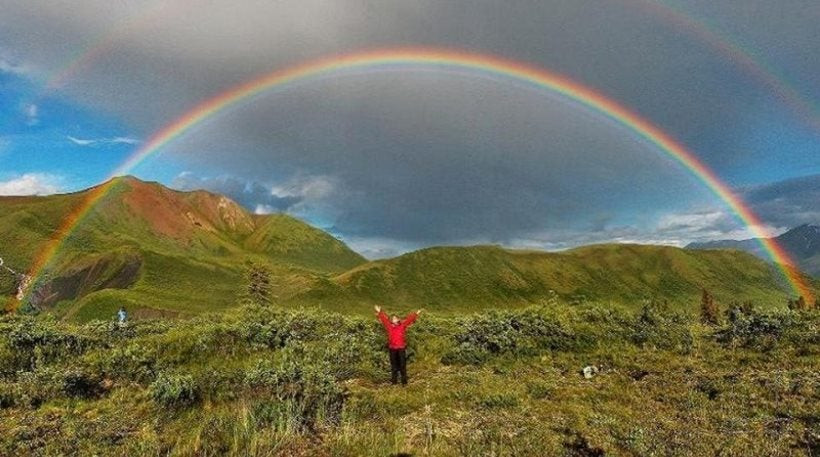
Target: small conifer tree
259, 285
708, 309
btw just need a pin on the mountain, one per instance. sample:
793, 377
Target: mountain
162, 252
802, 243
458, 277
155, 248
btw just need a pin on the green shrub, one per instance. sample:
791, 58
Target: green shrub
132, 362
7, 399
657, 327
174, 390
30, 390
275, 328
764, 331
303, 388
519, 333
465, 354
40, 341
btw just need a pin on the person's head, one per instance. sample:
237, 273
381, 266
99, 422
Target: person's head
395, 319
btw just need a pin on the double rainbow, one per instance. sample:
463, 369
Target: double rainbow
437, 59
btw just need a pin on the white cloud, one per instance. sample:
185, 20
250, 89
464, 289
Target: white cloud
309, 187
96, 141
30, 184
80, 142
124, 140
32, 113
375, 248
13, 67
671, 229
263, 209
250, 194
690, 221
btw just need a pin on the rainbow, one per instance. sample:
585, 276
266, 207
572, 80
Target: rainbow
107, 43
734, 53
438, 59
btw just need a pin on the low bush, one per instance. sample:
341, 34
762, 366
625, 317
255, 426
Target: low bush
174, 390
658, 327
522, 333
537, 329
302, 390
762, 331
28, 342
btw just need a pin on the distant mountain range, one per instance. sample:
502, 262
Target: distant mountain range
162, 252
802, 243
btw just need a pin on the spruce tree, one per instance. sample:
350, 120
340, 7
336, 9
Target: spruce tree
259, 285
708, 309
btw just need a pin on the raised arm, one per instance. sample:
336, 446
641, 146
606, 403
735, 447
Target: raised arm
408, 321
382, 315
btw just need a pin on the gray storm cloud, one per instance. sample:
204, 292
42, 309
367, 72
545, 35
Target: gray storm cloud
787, 203
422, 157
152, 59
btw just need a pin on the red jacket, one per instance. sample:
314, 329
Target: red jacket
395, 332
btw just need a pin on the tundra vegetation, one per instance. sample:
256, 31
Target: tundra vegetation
264, 379
253, 335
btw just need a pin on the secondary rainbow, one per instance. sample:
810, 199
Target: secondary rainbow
443, 59
729, 49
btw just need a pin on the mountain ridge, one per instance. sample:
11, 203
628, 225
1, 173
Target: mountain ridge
459, 276
802, 243
164, 252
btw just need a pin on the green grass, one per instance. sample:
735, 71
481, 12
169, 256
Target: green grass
267, 381
458, 278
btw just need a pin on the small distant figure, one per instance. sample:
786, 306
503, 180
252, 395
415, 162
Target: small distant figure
122, 316
396, 329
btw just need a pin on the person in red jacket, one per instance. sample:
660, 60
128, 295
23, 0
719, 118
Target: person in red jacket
396, 328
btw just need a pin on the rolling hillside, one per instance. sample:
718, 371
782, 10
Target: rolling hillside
162, 252
159, 250
454, 277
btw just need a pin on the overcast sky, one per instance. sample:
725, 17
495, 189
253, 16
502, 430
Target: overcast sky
392, 161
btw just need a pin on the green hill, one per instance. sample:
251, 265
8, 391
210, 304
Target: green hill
455, 277
159, 251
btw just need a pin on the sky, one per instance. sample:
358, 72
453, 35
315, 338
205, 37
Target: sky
391, 161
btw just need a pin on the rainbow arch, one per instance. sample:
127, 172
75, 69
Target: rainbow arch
444, 59
107, 43
743, 58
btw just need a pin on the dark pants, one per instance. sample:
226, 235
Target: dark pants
398, 364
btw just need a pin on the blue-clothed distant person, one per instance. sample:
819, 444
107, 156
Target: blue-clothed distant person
122, 316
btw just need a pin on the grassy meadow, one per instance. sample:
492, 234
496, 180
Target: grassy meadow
263, 379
